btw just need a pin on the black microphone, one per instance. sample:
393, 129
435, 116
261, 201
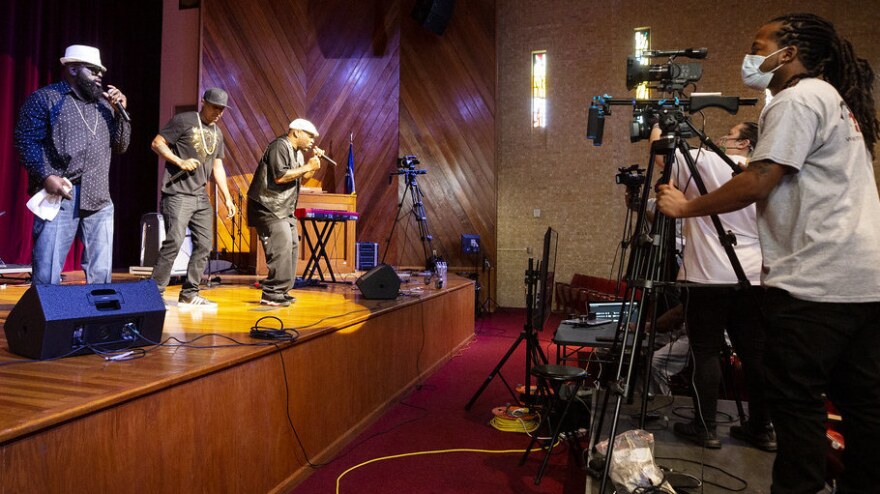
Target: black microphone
121, 109
179, 174
123, 112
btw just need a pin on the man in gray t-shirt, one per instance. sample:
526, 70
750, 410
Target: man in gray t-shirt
192, 145
819, 227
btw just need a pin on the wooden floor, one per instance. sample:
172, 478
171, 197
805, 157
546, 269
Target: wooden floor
186, 417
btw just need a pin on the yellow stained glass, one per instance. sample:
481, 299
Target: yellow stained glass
642, 43
539, 89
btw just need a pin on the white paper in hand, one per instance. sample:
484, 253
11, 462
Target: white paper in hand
46, 205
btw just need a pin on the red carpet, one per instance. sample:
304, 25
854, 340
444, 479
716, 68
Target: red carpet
432, 417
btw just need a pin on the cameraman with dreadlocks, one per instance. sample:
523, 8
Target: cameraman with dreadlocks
818, 209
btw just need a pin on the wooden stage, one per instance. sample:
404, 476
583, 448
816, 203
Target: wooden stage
228, 419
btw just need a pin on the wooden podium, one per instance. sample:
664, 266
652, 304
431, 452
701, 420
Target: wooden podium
341, 246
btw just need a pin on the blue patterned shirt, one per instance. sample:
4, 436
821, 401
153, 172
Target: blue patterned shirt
60, 134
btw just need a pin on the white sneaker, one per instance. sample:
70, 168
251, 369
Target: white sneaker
197, 301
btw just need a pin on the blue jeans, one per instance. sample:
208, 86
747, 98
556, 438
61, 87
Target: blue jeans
180, 211
52, 241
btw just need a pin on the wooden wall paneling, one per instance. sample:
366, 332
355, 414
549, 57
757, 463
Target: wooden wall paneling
249, 49
355, 92
334, 62
447, 108
367, 69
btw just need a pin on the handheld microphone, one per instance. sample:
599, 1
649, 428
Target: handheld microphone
123, 112
121, 109
329, 160
179, 174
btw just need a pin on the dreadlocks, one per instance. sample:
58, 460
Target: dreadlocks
827, 55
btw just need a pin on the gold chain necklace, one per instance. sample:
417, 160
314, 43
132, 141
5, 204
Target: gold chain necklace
94, 130
202, 135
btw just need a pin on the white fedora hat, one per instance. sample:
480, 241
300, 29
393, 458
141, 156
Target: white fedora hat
303, 124
83, 54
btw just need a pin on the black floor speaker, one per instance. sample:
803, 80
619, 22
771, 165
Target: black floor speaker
52, 321
380, 283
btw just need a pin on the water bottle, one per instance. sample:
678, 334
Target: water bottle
440, 280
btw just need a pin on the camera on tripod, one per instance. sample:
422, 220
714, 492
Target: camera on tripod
630, 176
408, 162
669, 76
669, 112
406, 166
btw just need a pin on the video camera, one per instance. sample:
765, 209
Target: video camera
406, 166
667, 116
408, 162
630, 176
666, 77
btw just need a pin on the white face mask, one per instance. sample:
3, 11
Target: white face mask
752, 75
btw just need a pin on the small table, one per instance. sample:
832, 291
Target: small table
580, 337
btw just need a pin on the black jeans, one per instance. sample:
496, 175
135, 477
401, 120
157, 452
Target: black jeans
180, 211
709, 311
815, 348
281, 243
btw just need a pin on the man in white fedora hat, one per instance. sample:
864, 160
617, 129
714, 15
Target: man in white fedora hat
193, 148
65, 135
272, 199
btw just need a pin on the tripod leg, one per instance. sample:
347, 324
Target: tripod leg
496, 371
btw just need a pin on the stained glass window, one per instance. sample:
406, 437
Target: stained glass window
642, 43
539, 89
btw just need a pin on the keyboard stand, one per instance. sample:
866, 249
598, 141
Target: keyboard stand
318, 247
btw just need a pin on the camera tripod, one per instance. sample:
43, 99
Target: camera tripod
650, 274
534, 353
487, 304
418, 210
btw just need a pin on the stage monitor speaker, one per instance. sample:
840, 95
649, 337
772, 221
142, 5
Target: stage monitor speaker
433, 15
51, 321
380, 283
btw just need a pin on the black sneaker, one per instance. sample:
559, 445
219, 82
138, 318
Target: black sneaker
289, 297
695, 433
764, 438
274, 301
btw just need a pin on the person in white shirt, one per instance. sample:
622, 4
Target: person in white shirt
711, 309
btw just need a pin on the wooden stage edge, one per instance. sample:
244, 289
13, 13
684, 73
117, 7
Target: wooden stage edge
222, 419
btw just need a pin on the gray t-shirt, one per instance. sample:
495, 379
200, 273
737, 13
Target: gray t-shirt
820, 226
